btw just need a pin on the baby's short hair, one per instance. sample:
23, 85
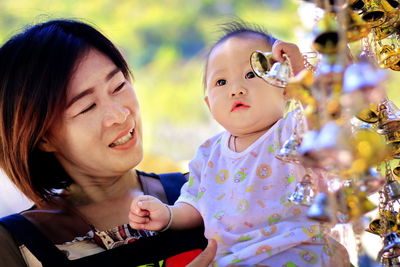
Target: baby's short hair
238, 28
241, 28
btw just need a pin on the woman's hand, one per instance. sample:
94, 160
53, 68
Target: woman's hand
205, 257
147, 212
292, 51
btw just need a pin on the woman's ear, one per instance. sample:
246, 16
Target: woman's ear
45, 145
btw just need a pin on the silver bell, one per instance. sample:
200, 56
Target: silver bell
391, 244
371, 181
278, 75
393, 188
288, 152
366, 261
320, 209
303, 193
265, 67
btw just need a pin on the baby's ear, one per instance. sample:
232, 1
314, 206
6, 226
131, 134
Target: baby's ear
285, 94
45, 145
206, 100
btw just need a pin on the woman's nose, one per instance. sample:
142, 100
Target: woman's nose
115, 114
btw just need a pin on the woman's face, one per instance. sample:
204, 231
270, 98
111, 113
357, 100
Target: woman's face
100, 131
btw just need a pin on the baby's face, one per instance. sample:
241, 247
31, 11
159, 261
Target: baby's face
240, 101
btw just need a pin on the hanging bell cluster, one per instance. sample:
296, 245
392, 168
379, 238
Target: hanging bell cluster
353, 129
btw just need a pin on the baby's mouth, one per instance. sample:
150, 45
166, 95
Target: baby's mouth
239, 105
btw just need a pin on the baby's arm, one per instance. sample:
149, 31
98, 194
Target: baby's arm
292, 51
150, 213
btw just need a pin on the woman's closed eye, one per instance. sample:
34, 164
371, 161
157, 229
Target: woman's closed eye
250, 75
220, 82
87, 109
119, 88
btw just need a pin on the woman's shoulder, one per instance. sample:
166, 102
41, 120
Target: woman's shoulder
10, 254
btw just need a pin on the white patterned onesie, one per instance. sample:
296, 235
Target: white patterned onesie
242, 197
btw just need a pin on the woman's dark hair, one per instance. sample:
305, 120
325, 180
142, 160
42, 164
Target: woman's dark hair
35, 69
238, 28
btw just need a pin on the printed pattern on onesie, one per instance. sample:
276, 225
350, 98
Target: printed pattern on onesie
243, 200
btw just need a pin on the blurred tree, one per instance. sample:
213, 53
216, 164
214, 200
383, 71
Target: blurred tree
164, 43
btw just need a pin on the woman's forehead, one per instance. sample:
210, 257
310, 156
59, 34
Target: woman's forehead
91, 69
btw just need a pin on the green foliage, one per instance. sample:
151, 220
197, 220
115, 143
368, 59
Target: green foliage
164, 43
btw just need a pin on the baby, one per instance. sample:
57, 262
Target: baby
237, 186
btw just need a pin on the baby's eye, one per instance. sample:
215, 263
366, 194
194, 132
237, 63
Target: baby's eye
221, 82
250, 75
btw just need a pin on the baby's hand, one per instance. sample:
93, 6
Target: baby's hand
292, 51
147, 212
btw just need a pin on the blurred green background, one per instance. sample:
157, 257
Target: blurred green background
165, 43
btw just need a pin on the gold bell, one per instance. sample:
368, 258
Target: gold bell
359, 204
375, 225
396, 170
357, 28
356, 4
395, 67
388, 51
391, 8
299, 87
389, 117
383, 32
326, 35
373, 13
369, 115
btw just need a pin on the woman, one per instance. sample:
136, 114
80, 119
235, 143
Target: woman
70, 137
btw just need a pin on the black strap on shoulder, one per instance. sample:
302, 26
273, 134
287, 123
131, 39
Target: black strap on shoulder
147, 250
26, 233
172, 183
